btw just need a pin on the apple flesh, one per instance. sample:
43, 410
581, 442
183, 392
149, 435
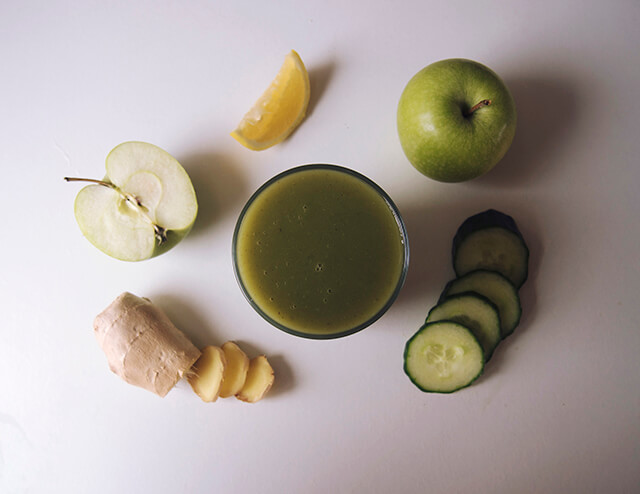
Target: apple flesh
456, 119
145, 205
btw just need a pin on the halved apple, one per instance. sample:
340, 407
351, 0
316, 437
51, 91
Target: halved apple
145, 205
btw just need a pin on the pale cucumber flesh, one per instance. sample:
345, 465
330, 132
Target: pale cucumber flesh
443, 357
475, 312
494, 249
498, 289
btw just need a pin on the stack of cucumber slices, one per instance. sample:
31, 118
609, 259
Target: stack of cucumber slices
477, 309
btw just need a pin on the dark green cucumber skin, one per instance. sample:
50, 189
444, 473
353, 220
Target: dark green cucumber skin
458, 295
462, 294
487, 219
424, 327
443, 295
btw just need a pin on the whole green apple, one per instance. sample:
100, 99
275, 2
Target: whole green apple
456, 120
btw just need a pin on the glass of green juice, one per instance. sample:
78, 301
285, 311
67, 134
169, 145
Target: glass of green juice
320, 251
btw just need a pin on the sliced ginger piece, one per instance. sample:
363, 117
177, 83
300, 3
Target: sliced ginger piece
206, 374
279, 110
259, 380
235, 372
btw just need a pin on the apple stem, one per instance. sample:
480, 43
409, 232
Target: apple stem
484, 102
92, 180
160, 233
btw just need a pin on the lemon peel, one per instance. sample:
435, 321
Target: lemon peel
279, 110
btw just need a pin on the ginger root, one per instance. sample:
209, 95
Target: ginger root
206, 374
142, 345
259, 380
227, 371
235, 373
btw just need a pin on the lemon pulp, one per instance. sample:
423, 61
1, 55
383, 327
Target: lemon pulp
279, 110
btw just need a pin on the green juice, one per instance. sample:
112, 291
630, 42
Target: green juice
320, 251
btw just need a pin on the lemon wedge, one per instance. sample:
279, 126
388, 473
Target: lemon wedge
279, 110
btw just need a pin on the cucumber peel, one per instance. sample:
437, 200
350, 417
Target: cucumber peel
474, 311
443, 357
491, 240
497, 288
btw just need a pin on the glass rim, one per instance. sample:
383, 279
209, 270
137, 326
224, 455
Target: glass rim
403, 236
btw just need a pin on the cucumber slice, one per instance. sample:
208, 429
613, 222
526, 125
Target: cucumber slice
443, 357
475, 312
497, 288
491, 240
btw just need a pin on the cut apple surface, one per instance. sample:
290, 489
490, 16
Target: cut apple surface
259, 380
235, 372
145, 205
206, 373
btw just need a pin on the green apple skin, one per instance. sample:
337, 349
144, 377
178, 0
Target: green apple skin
439, 136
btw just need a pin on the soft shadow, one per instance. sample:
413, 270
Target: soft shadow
530, 228
187, 319
284, 379
219, 185
548, 110
431, 227
319, 78
250, 349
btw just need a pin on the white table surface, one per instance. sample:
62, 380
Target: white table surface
558, 408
